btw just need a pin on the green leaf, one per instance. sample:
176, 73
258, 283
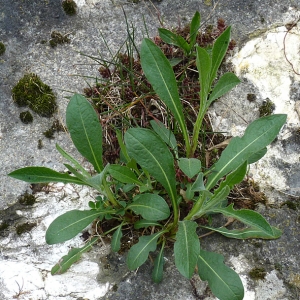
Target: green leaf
152, 154
122, 145
218, 52
123, 174
157, 273
150, 206
139, 252
203, 62
160, 74
198, 184
72, 160
258, 135
195, 25
171, 38
175, 61
224, 85
234, 177
165, 134
145, 223
72, 257
85, 130
69, 224
189, 166
186, 248
223, 281
246, 233
116, 239
216, 200
247, 216
43, 175
257, 156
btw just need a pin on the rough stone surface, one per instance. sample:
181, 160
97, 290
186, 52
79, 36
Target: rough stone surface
26, 261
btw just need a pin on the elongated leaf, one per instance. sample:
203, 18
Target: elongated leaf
122, 145
217, 199
257, 156
152, 154
69, 224
218, 52
157, 273
203, 63
123, 174
186, 248
234, 177
161, 76
189, 166
116, 239
195, 25
224, 85
165, 134
85, 130
72, 160
150, 206
258, 135
96, 180
139, 252
145, 223
223, 281
248, 217
246, 233
72, 257
172, 38
43, 175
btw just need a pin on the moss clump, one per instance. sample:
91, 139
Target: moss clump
26, 227
3, 226
258, 273
26, 117
251, 97
40, 144
2, 48
69, 7
267, 108
32, 92
27, 199
58, 38
56, 127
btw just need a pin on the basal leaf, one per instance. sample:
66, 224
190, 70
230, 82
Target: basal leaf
246, 233
258, 135
139, 252
123, 174
150, 206
224, 85
198, 184
157, 273
152, 154
69, 224
189, 166
160, 74
217, 199
43, 175
218, 52
72, 257
195, 25
85, 130
248, 217
223, 281
146, 223
257, 156
165, 134
186, 248
116, 239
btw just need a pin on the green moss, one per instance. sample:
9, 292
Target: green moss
257, 273
49, 134
27, 199
267, 108
26, 117
40, 144
290, 205
2, 48
25, 227
32, 92
58, 38
251, 97
55, 127
69, 7
3, 226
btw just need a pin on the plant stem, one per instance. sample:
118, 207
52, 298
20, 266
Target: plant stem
110, 195
196, 208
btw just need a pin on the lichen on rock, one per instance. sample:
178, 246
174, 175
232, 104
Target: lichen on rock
32, 92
